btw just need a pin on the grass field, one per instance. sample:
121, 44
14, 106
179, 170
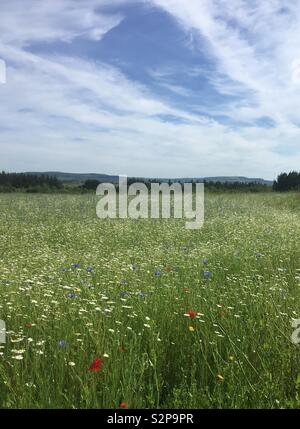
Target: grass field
147, 314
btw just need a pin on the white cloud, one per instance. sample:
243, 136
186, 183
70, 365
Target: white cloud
27, 21
256, 48
66, 113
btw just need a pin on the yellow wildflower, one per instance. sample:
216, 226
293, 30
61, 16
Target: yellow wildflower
220, 378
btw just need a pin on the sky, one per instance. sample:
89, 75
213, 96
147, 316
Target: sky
153, 88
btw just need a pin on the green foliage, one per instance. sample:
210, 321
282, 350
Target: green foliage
287, 182
91, 184
252, 187
11, 182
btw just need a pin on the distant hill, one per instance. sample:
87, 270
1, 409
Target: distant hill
77, 177
240, 179
222, 179
82, 177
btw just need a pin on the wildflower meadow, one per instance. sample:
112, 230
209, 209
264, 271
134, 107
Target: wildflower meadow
147, 314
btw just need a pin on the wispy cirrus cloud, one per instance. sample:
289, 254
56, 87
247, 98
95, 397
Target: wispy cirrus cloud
69, 111
255, 49
27, 21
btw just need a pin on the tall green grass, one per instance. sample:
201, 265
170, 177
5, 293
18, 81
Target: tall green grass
237, 352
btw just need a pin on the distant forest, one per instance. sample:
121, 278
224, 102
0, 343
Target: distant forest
28, 182
12, 182
287, 182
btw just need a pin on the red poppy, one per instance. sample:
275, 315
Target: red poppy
96, 365
123, 404
122, 349
192, 314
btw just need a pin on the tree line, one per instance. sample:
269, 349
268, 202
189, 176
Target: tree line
12, 182
218, 186
287, 182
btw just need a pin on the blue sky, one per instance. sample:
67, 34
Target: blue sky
168, 88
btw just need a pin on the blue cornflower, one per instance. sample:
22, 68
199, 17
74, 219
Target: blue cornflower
207, 274
89, 269
62, 343
63, 269
123, 294
71, 295
157, 273
74, 266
